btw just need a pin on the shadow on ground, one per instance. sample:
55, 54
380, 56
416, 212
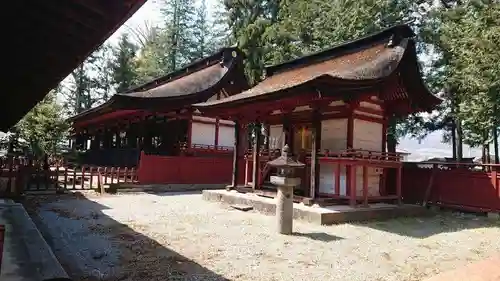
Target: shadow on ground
92, 246
318, 236
423, 227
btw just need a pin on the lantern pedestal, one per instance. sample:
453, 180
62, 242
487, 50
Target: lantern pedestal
284, 203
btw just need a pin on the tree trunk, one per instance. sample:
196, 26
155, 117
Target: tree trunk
454, 139
495, 144
392, 140
460, 141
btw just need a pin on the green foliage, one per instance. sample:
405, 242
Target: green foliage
43, 128
90, 83
123, 64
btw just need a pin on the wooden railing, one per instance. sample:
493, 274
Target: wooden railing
466, 186
16, 179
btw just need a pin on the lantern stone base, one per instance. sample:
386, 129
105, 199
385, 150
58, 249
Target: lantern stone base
317, 214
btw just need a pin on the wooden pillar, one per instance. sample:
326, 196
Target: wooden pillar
288, 134
189, 132
365, 186
216, 141
268, 130
398, 184
118, 138
255, 157
351, 169
316, 144
383, 176
236, 155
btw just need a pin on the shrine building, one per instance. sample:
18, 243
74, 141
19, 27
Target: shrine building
332, 109
153, 126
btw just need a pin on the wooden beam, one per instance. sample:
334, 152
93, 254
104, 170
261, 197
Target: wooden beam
316, 145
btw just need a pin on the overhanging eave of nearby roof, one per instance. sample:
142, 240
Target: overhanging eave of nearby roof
48, 40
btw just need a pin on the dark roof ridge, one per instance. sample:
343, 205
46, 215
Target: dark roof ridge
401, 29
224, 54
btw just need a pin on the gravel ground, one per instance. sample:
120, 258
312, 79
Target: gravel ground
181, 237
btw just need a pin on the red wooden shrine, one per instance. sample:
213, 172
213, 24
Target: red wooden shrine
154, 126
332, 109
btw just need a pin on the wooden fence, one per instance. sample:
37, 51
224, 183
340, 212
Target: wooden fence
469, 187
18, 177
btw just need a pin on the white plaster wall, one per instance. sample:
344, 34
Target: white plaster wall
203, 133
226, 136
333, 138
334, 134
276, 136
327, 179
367, 135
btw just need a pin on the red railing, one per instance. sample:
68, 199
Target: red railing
464, 186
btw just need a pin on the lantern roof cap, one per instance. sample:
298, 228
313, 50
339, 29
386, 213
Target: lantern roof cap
284, 161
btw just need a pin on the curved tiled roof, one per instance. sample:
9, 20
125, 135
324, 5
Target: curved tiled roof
366, 61
193, 83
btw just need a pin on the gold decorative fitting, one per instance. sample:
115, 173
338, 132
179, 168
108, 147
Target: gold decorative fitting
234, 54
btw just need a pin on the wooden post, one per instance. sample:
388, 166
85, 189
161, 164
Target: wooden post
118, 175
255, 157
337, 179
91, 182
126, 174
105, 175
352, 185
247, 164
365, 186
83, 177
112, 172
74, 177
236, 156
316, 144
398, 185
56, 177
101, 185
216, 140
65, 177
132, 175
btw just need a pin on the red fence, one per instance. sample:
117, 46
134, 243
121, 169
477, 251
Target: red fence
156, 169
463, 187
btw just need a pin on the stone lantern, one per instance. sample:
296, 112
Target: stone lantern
286, 179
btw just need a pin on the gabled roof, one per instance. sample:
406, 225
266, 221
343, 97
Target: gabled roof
193, 83
366, 62
47, 40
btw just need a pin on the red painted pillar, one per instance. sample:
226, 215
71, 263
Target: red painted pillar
398, 185
216, 141
365, 186
352, 185
190, 132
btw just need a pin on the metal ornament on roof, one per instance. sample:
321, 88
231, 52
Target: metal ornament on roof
284, 161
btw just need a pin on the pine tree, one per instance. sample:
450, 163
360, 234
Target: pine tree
177, 35
123, 64
201, 33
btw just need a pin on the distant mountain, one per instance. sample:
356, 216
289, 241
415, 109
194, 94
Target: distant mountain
432, 147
